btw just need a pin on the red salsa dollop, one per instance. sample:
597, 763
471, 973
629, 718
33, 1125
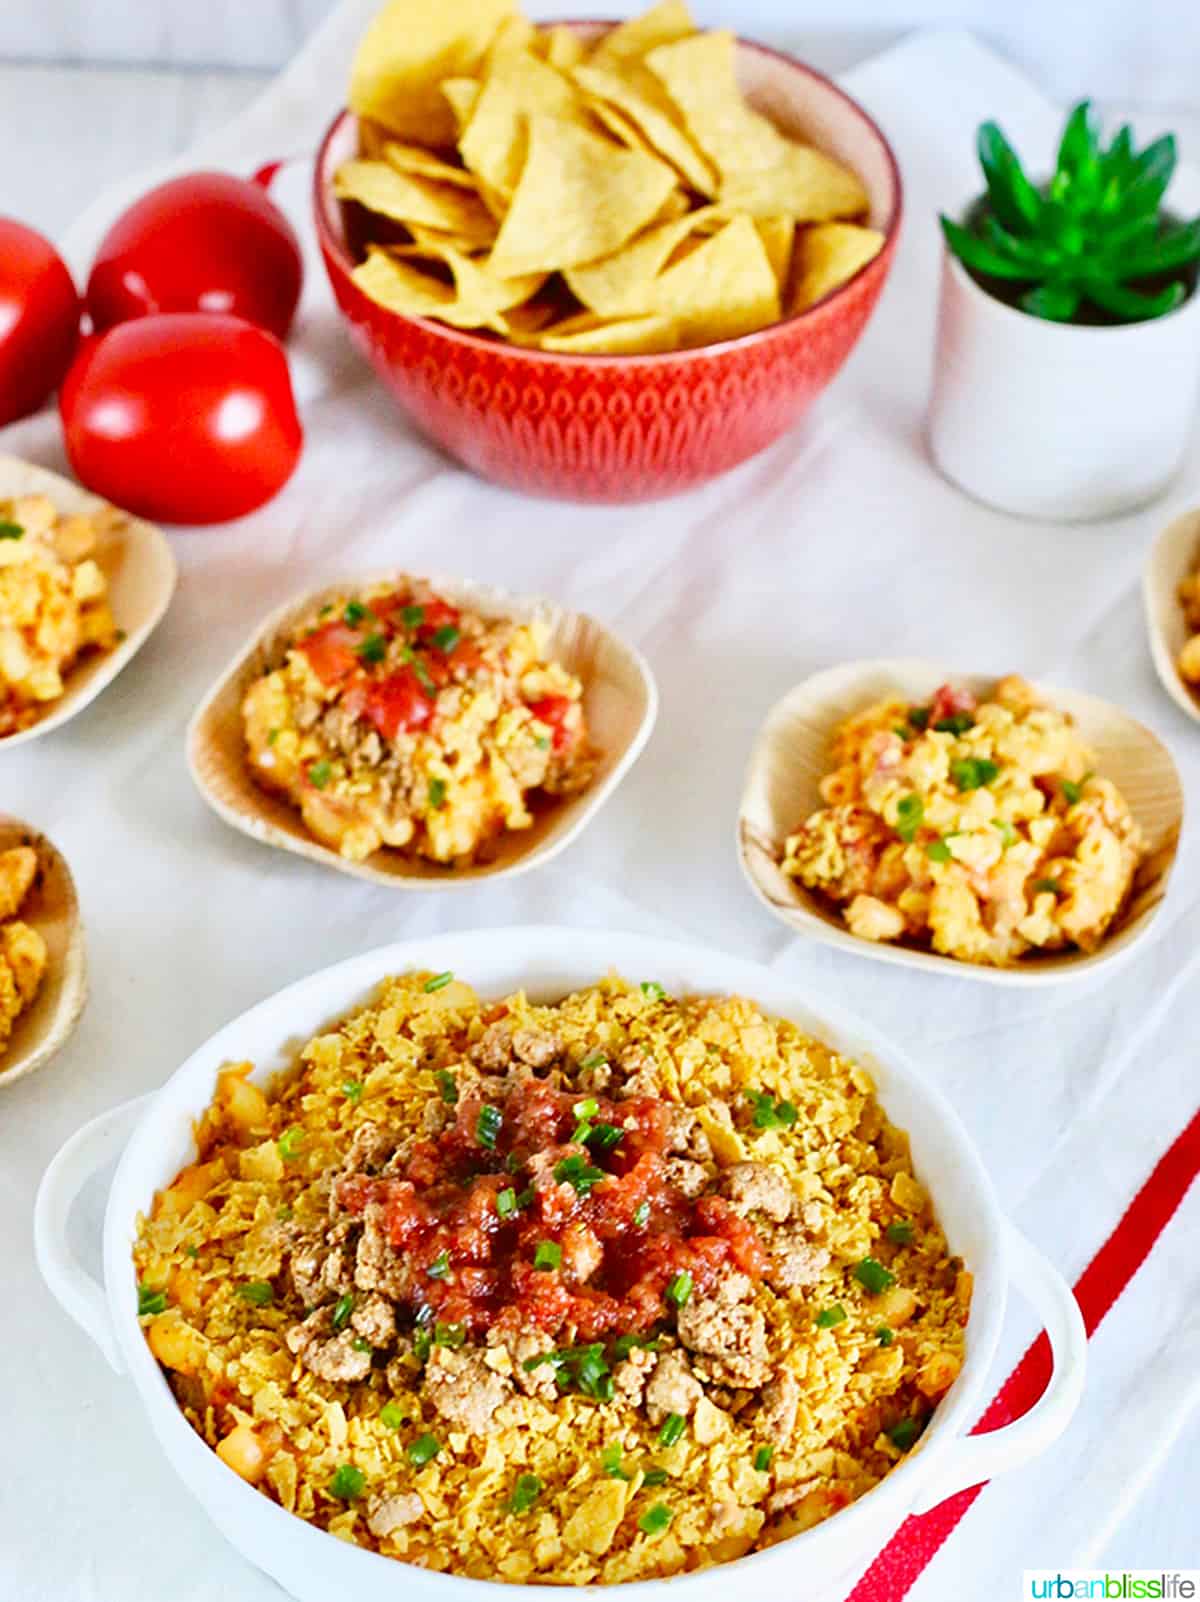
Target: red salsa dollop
553, 1209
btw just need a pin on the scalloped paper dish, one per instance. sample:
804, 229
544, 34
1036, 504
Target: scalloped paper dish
619, 698
791, 755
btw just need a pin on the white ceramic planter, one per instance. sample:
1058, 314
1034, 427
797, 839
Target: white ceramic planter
548, 962
1051, 420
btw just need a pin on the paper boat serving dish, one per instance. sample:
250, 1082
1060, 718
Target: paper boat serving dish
619, 698
791, 756
52, 908
139, 566
1172, 556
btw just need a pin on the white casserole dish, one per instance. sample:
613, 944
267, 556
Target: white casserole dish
548, 962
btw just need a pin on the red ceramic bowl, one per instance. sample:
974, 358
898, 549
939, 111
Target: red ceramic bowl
626, 428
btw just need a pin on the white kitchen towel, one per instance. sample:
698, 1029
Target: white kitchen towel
839, 542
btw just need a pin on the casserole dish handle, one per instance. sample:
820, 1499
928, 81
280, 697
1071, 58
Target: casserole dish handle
976, 1458
76, 1290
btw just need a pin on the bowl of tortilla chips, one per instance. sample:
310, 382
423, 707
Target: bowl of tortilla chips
599, 262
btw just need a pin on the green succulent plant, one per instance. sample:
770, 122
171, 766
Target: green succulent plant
1093, 244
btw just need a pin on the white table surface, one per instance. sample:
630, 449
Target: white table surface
64, 134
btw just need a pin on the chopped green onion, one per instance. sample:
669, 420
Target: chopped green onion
352, 1089
578, 1173
624, 1344
320, 773
423, 1450
910, 813
325, 611
655, 1476
1052, 885
641, 1215
772, 1114
412, 616
422, 1344
440, 1266
972, 773
587, 1108
592, 1373
604, 1136
487, 1126
904, 1433
506, 1202
437, 794
884, 1335
446, 638
438, 982
903, 731
680, 1288
192, 1251
655, 1519
526, 1196
548, 1254
652, 990
348, 1483
938, 851
450, 1335
597, 1059
610, 1462
900, 1233
762, 1458
290, 1143
447, 1086
1071, 790
151, 1302
673, 1427
828, 1317
257, 1291
342, 1309
1008, 835
10, 530
956, 723
918, 716
354, 613
542, 741
873, 1276
526, 1491
283, 1214
392, 1415
272, 736
362, 1344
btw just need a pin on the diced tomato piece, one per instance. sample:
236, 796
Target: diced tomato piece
948, 700
465, 658
555, 711
399, 704
438, 614
330, 652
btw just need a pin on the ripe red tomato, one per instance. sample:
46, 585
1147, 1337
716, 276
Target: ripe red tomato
207, 242
39, 319
187, 418
330, 651
557, 713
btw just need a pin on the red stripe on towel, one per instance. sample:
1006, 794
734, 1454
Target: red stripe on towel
901, 1562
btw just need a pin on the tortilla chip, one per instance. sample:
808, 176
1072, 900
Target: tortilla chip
653, 120
699, 76
827, 254
461, 93
579, 197
722, 288
803, 184
634, 336
624, 284
562, 47
416, 159
516, 36
777, 235
474, 299
406, 198
493, 144
406, 52
662, 24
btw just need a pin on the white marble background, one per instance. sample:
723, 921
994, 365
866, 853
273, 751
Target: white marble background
1144, 52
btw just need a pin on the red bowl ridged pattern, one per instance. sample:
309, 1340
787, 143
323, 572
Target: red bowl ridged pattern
626, 428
